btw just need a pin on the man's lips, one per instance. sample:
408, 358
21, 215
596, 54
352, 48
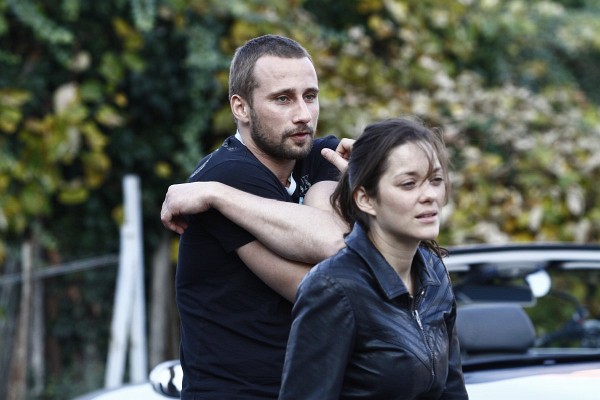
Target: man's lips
300, 136
305, 131
301, 131
427, 215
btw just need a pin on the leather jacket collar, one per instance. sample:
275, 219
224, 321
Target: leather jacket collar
387, 279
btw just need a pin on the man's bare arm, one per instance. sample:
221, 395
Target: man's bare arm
188, 199
307, 233
172, 213
281, 275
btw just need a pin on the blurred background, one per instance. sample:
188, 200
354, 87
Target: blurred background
93, 91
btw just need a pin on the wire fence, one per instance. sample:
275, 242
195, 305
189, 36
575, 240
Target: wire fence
62, 269
11, 284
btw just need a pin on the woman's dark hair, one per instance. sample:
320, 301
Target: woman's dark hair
370, 159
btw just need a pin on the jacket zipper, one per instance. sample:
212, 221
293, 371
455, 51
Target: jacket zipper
415, 313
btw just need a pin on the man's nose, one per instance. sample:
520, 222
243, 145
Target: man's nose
302, 113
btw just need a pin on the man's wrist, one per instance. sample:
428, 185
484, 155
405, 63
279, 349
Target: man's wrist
215, 194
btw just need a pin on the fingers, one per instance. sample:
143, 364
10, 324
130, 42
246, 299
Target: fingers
185, 199
170, 221
341, 155
177, 225
335, 158
344, 148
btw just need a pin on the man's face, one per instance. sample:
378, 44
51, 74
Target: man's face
285, 110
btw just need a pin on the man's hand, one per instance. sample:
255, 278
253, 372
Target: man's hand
341, 155
183, 199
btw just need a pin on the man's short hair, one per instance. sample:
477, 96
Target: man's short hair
241, 73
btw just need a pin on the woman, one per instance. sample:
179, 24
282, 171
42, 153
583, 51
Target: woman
376, 321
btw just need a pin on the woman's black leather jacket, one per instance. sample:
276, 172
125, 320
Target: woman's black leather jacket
358, 334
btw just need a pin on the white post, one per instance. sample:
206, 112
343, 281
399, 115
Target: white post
129, 310
138, 356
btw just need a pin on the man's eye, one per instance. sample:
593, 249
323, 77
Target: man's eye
281, 99
310, 97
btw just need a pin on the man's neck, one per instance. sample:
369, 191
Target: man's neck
281, 168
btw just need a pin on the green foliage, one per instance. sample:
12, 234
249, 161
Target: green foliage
144, 12
92, 91
28, 13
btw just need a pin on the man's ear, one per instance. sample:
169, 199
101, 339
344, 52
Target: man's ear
364, 202
240, 109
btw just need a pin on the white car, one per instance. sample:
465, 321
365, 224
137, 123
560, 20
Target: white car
164, 381
500, 290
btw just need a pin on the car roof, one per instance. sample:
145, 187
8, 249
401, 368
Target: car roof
578, 380
528, 255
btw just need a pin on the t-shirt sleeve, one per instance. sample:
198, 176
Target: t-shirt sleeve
323, 169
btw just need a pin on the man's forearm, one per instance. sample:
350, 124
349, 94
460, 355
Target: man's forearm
280, 274
297, 232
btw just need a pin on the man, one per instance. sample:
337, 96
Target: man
240, 259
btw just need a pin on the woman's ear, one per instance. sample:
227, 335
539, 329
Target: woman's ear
364, 202
240, 109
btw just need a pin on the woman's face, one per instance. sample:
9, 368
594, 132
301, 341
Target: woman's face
410, 197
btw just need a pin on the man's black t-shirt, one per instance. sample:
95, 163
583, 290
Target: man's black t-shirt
234, 328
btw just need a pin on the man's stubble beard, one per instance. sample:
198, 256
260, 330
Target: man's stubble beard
267, 141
